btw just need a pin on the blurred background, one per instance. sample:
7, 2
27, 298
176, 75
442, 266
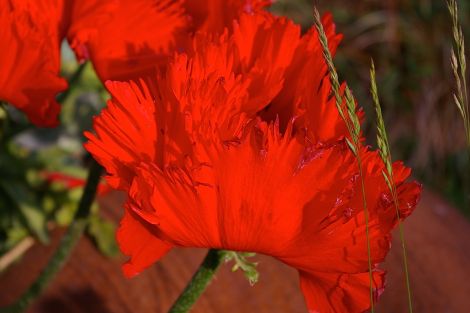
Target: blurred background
410, 42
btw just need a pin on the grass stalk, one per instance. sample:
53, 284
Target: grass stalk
385, 154
459, 68
350, 118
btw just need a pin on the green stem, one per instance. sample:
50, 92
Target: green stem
67, 243
72, 83
198, 282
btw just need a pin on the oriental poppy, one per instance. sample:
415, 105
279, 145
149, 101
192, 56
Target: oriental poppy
229, 150
125, 39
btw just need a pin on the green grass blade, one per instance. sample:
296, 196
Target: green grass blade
459, 68
350, 118
384, 151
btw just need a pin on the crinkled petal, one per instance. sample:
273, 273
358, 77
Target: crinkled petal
137, 240
30, 65
340, 293
119, 142
139, 37
265, 46
307, 95
83, 20
213, 16
335, 222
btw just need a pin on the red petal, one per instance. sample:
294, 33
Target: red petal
256, 56
83, 20
265, 46
307, 95
29, 73
137, 240
139, 37
133, 128
336, 239
340, 293
212, 16
120, 144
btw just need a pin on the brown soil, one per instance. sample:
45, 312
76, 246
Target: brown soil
438, 256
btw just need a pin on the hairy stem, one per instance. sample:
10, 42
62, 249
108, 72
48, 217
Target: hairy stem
198, 282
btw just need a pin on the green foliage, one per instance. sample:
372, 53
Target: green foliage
103, 233
30, 204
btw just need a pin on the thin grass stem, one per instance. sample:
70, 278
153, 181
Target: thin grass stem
350, 118
385, 154
459, 68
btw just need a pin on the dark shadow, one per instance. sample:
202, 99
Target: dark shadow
82, 300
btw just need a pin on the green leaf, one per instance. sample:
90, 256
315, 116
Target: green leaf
65, 214
102, 232
29, 209
14, 235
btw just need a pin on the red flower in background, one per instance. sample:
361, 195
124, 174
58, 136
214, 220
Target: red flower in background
237, 145
72, 182
125, 39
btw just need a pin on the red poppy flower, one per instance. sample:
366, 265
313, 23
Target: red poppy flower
72, 182
226, 152
33, 31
